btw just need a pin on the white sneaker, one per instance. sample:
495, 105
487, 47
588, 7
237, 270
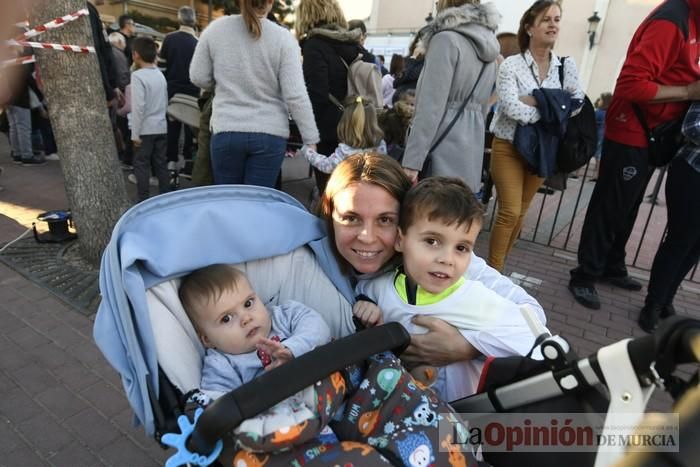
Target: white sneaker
153, 181
52, 157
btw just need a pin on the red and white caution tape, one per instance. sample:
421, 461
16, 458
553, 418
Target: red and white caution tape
47, 45
53, 24
18, 61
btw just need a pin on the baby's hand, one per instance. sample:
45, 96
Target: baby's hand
368, 313
279, 353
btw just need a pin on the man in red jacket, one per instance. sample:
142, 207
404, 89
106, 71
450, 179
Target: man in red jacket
660, 74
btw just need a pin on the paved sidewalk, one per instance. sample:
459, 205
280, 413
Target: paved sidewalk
62, 404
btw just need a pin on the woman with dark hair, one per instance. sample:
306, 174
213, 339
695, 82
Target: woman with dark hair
407, 79
327, 46
536, 66
256, 68
396, 67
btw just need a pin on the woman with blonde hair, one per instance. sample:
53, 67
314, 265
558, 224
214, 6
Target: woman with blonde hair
447, 135
536, 66
327, 46
255, 66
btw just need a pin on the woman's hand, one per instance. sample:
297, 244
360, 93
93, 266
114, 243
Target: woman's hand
411, 174
440, 346
528, 100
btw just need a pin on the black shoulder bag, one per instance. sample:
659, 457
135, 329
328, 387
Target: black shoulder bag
664, 140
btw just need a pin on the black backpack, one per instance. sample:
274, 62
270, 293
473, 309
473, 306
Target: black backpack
579, 143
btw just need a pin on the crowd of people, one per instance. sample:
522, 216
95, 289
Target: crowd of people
397, 179
256, 76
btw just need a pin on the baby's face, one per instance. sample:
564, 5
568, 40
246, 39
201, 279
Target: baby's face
436, 255
236, 322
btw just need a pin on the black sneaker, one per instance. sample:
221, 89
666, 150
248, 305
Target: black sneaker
33, 161
649, 317
623, 282
586, 295
174, 180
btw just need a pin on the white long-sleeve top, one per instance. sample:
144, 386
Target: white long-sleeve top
326, 164
517, 76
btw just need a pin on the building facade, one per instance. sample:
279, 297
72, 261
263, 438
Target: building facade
599, 60
112, 9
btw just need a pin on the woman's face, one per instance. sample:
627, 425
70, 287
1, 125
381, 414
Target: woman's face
365, 220
545, 31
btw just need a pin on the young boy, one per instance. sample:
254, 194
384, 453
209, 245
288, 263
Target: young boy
440, 220
243, 338
149, 102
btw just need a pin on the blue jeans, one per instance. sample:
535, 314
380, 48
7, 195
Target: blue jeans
246, 158
20, 120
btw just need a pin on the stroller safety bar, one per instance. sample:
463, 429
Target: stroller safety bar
228, 411
648, 356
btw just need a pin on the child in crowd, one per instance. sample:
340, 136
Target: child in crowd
601, 108
243, 338
149, 101
396, 121
440, 220
358, 131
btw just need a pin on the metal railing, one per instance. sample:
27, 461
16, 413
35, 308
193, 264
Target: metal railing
555, 219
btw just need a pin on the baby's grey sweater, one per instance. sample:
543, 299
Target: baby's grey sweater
258, 82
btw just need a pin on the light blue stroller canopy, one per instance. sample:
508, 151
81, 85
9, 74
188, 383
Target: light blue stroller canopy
173, 234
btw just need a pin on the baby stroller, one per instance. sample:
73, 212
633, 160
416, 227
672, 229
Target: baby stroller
144, 333
185, 109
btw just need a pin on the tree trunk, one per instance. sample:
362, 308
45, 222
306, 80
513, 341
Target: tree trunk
80, 118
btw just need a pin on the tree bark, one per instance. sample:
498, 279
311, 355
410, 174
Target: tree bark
80, 119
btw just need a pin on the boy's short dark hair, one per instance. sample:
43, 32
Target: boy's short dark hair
146, 48
447, 199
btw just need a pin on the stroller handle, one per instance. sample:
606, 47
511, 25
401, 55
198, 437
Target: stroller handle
228, 411
653, 359
670, 345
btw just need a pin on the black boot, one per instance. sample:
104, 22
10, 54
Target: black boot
668, 310
649, 317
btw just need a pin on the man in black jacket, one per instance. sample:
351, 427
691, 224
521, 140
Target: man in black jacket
174, 61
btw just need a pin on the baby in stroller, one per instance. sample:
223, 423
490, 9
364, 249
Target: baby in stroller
243, 338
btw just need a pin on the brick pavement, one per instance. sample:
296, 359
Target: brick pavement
62, 404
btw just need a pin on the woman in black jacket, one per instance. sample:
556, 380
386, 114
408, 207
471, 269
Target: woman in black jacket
325, 42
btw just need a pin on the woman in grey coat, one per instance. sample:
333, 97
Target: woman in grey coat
459, 42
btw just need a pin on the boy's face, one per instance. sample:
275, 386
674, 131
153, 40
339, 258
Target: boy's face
436, 255
236, 322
